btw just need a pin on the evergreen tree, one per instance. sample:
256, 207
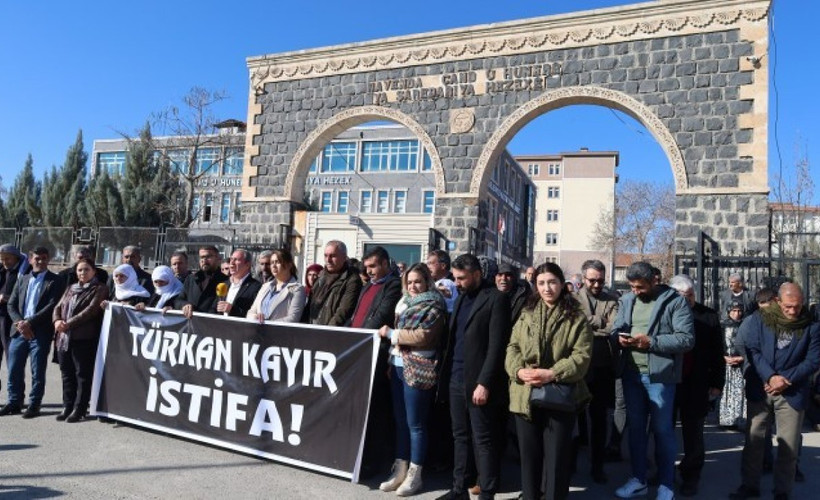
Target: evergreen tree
103, 203
72, 183
52, 199
23, 201
140, 182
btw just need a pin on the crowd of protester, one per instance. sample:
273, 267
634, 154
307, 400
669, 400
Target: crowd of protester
471, 354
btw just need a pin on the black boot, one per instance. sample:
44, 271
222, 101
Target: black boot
75, 416
65, 413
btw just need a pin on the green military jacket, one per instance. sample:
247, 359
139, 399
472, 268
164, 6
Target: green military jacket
547, 338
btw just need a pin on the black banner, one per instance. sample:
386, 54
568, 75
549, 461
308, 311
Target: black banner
297, 394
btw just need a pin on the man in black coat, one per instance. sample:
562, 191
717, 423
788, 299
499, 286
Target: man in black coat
199, 290
704, 374
30, 308
12, 265
242, 288
375, 308
69, 274
132, 255
473, 372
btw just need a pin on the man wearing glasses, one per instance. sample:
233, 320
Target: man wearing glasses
600, 307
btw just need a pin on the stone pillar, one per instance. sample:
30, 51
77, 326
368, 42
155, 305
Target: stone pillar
740, 222
263, 218
453, 218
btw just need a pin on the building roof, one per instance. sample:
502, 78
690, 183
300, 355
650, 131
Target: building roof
791, 207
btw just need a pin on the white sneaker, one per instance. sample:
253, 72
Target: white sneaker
632, 489
412, 483
397, 475
664, 493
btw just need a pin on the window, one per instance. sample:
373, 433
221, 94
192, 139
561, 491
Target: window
426, 163
339, 157
234, 159
534, 168
366, 202
554, 169
552, 215
428, 202
342, 202
113, 163
552, 238
385, 156
195, 208
209, 206
399, 202
327, 199
314, 165
553, 192
237, 208
206, 161
382, 202
178, 160
225, 208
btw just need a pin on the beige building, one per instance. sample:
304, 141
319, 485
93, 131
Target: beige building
573, 189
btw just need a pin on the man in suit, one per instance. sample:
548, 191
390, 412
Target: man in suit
474, 374
782, 344
377, 307
30, 307
132, 255
242, 288
13, 264
199, 290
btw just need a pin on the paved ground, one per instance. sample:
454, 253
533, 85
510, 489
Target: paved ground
43, 458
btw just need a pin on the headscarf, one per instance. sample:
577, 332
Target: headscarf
169, 291
131, 287
313, 267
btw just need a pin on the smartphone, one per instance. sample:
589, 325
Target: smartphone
622, 334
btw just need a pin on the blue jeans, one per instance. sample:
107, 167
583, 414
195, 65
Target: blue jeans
20, 350
411, 409
645, 399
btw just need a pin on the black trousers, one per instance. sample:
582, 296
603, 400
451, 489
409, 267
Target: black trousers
77, 368
478, 431
601, 383
691, 402
545, 443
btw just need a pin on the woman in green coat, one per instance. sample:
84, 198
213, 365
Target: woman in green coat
551, 342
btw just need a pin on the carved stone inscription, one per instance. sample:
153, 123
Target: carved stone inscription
464, 83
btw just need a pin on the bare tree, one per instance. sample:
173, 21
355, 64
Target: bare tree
793, 192
192, 148
643, 222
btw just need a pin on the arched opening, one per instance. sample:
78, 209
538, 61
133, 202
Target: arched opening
604, 185
366, 180
312, 146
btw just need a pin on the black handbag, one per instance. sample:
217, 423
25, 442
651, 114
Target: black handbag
554, 396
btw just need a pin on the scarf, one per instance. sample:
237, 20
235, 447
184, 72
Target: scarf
169, 291
73, 295
422, 311
774, 319
312, 267
131, 287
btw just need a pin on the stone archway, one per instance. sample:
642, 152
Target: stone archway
329, 129
567, 96
693, 72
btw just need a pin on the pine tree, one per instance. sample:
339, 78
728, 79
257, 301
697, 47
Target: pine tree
52, 199
23, 201
103, 203
72, 183
140, 182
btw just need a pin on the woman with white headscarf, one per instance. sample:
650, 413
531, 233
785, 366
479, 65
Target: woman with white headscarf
127, 289
166, 288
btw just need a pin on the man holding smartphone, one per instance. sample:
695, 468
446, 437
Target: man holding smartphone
653, 328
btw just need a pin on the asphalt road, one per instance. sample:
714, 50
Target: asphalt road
43, 458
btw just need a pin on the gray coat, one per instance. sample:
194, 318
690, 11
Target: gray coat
671, 333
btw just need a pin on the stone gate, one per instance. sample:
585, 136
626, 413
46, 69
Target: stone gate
694, 72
